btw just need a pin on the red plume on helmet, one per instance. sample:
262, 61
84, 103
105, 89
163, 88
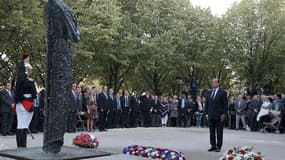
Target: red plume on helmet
25, 55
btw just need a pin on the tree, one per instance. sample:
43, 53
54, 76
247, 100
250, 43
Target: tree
257, 28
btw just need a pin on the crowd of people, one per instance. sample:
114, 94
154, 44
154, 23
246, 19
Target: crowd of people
100, 110
104, 110
257, 113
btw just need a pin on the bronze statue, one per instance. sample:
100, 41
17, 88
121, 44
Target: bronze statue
62, 28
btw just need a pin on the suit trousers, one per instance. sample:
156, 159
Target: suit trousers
146, 119
102, 120
110, 119
71, 122
216, 133
7, 122
118, 119
253, 121
134, 118
242, 118
126, 117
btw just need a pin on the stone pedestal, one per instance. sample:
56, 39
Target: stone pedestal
67, 153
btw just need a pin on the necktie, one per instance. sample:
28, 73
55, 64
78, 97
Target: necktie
127, 101
213, 94
10, 94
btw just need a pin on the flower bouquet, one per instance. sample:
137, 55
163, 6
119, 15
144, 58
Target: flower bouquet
86, 141
153, 153
241, 153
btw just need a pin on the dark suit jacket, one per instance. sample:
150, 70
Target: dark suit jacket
112, 103
6, 101
155, 106
180, 103
75, 102
134, 104
102, 101
216, 107
145, 104
123, 102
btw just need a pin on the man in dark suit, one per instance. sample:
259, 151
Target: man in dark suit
145, 106
71, 123
216, 107
7, 103
118, 112
102, 108
125, 104
111, 108
191, 106
182, 111
134, 104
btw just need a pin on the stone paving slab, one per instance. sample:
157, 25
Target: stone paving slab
193, 142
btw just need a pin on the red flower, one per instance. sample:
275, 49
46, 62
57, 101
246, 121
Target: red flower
242, 152
230, 151
257, 158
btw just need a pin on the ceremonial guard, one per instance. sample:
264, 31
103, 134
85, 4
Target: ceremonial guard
25, 95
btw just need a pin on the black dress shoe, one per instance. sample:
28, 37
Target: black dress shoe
212, 149
218, 150
10, 134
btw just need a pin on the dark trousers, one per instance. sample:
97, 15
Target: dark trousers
182, 121
126, 117
155, 120
216, 133
232, 119
146, 119
189, 118
133, 118
7, 122
173, 121
282, 124
118, 119
21, 138
253, 121
110, 117
34, 126
102, 120
71, 122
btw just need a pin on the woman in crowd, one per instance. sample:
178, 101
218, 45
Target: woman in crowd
263, 115
173, 111
164, 110
91, 109
232, 113
199, 111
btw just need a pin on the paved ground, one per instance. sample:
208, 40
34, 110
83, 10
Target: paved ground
193, 142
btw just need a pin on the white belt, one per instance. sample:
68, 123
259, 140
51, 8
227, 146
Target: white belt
28, 95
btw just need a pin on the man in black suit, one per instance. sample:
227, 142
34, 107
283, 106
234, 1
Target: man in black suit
111, 108
125, 104
182, 111
145, 106
102, 108
71, 123
216, 107
118, 112
134, 104
7, 103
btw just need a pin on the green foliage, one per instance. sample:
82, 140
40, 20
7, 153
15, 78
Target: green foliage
154, 44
